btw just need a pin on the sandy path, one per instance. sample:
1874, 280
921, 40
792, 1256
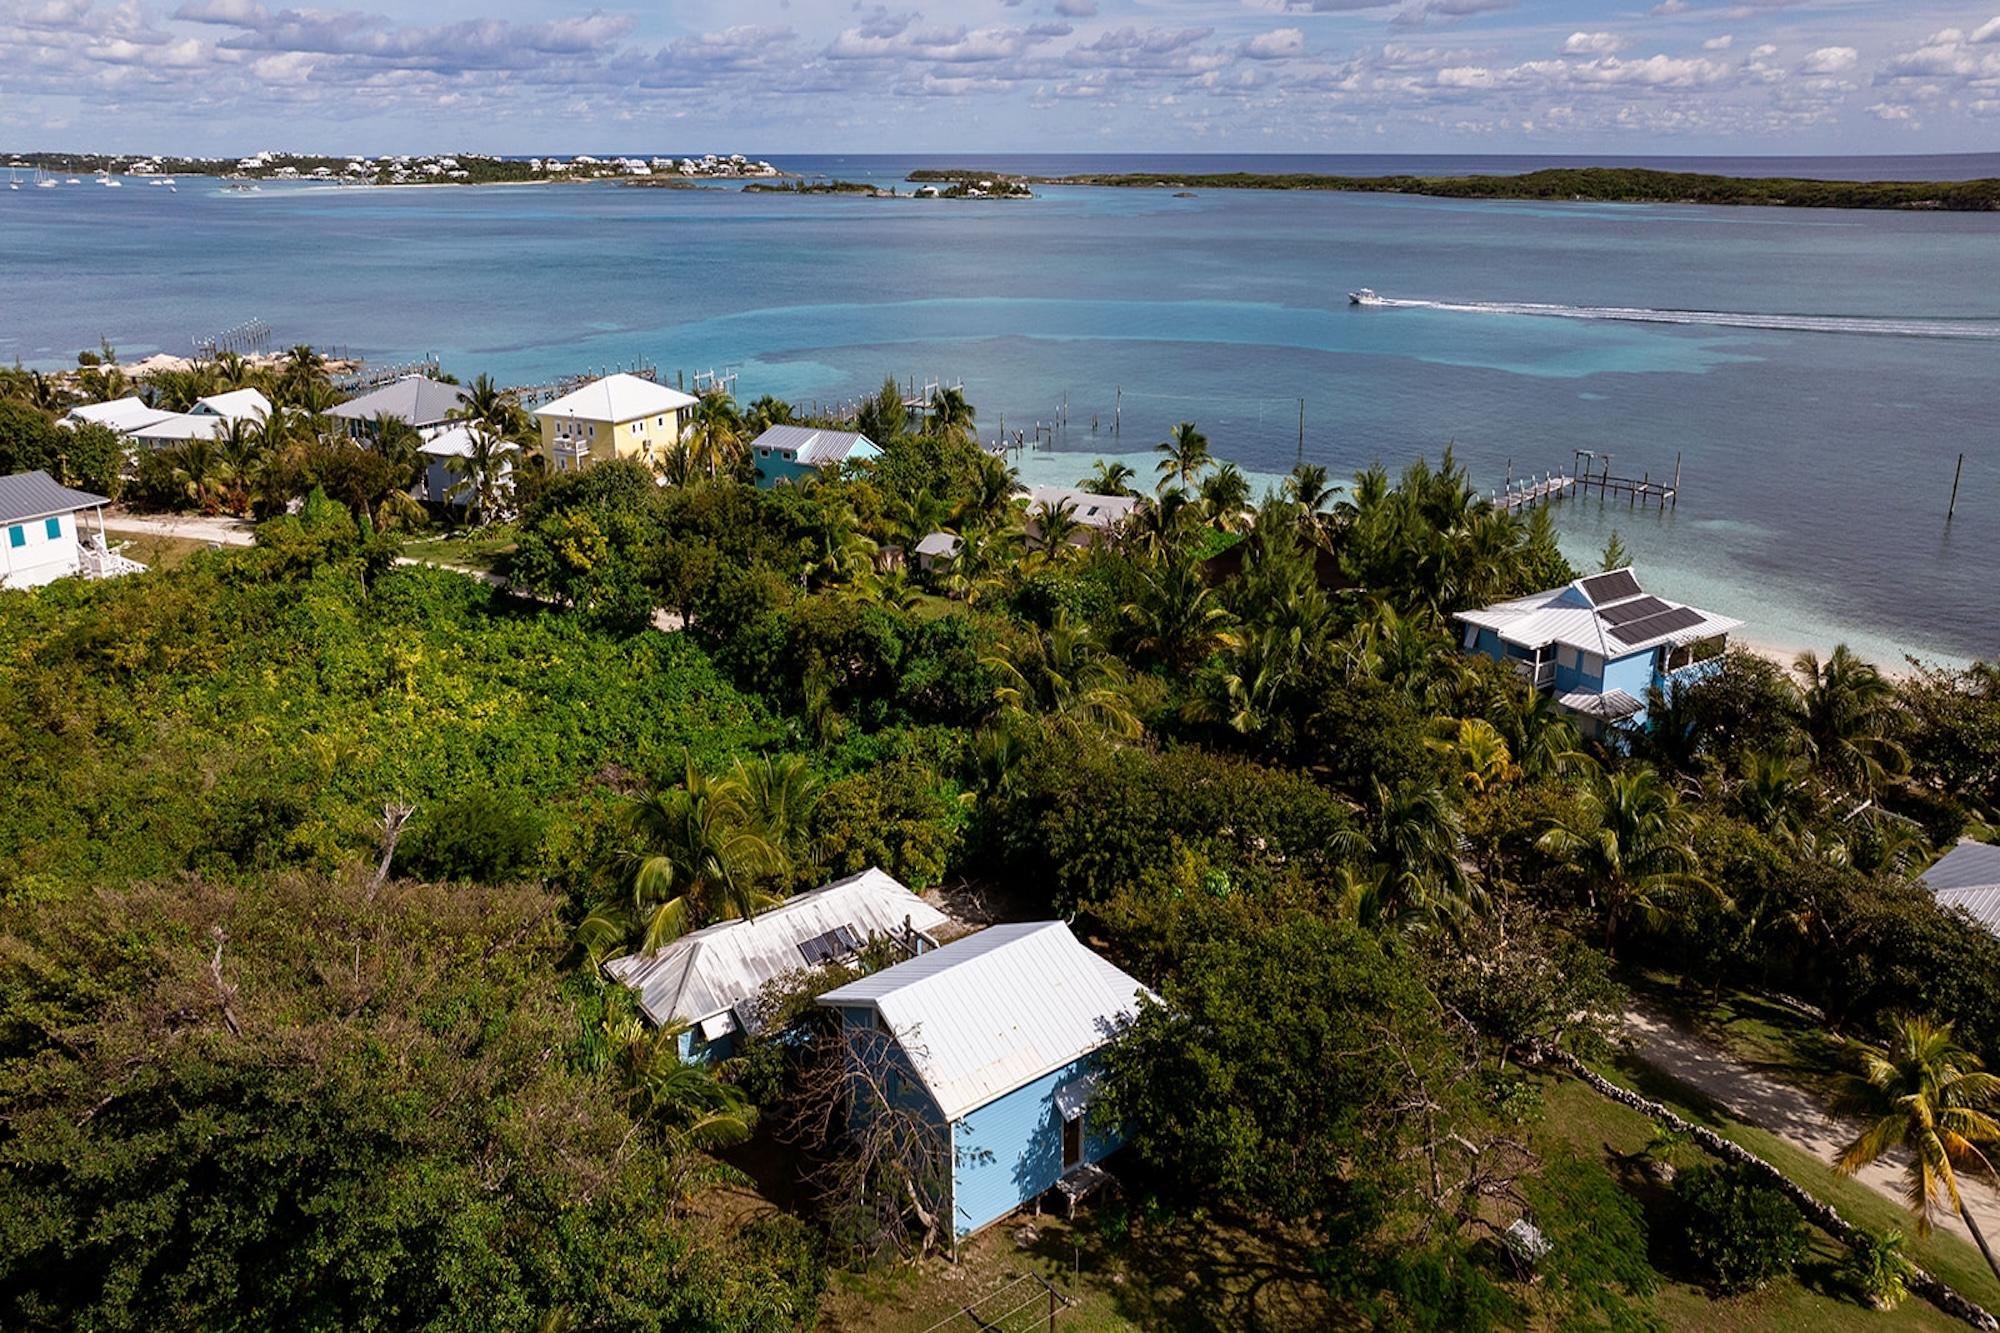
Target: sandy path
1789, 1112
193, 527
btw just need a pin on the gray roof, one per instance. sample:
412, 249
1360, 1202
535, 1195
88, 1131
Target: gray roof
1611, 706
814, 447
1968, 876
939, 543
417, 399
27, 495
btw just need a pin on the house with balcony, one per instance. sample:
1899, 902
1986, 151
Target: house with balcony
792, 453
1600, 645
45, 533
619, 416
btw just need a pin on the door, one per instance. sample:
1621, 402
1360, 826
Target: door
1072, 1143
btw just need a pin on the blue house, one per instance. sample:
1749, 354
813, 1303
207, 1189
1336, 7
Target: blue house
996, 1039
709, 981
1600, 645
791, 453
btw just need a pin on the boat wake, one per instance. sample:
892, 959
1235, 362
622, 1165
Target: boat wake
1880, 327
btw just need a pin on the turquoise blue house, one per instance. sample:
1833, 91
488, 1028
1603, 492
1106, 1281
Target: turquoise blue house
790, 453
996, 1040
709, 982
1600, 646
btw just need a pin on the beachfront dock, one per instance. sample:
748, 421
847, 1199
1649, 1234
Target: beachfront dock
1591, 471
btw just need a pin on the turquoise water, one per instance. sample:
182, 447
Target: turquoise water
1816, 465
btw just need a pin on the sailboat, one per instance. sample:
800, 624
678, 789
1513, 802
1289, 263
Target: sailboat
104, 179
44, 181
13, 177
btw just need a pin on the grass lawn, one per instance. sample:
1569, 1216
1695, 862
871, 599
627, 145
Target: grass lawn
484, 549
151, 549
1815, 1299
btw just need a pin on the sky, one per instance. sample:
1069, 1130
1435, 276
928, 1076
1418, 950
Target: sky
1656, 77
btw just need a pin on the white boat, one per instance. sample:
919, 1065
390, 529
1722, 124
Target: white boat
72, 181
44, 181
13, 178
104, 179
1366, 296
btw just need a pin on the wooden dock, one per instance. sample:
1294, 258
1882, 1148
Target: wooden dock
1591, 472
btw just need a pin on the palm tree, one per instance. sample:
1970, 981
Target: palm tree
1418, 837
699, 859
1062, 674
1176, 618
1225, 493
1774, 795
685, 1100
1306, 486
1844, 709
1631, 842
778, 799
1186, 456
951, 416
1055, 527
767, 412
490, 408
1925, 1093
484, 474
988, 497
1110, 478
715, 433
199, 471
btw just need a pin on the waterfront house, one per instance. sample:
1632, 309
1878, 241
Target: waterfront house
996, 1039
709, 980
1600, 645
124, 415
423, 402
1968, 877
44, 536
439, 452
790, 453
1097, 516
246, 405
619, 416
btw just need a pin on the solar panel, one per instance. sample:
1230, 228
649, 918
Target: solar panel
821, 949
1652, 627
1612, 587
1624, 613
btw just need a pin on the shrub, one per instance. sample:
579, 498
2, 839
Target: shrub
485, 836
1597, 1235
1737, 1232
902, 817
1877, 1268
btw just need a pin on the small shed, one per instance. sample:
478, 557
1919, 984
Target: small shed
1002, 1031
936, 549
709, 979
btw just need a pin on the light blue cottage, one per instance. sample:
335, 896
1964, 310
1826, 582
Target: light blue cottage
791, 453
709, 981
997, 1038
1600, 645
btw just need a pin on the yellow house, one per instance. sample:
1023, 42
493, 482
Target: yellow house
619, 416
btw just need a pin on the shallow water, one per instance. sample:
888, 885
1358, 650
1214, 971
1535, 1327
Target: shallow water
1816, 412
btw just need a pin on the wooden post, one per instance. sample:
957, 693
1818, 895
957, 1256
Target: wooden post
1117, 407
1956, 474
1052, 1307
1302, 432
1677, 479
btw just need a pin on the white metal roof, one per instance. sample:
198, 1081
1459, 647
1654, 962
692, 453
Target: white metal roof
123, 415
1969, 865
1570, 616
456, 442
1093, 511
181, 426
945, 544
617, 398
236, 405
1611, 706
709, 972
997, 1010
417, 399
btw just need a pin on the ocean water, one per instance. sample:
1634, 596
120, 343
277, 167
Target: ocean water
1812, 376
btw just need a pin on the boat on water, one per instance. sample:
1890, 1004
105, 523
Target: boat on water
13, 178
104, 179
1366, 296
72, 181
44, 181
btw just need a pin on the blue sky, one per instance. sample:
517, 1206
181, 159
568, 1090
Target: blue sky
777, 76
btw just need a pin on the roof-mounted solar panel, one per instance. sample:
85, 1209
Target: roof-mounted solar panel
1653, 627
1624, 613
1615, 586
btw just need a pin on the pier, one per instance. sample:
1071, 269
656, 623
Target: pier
1590, 471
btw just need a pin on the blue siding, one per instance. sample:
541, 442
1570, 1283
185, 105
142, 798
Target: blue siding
776, 467
695, 1051
1010, 1150
1634, 675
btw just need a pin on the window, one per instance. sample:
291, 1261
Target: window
1072, 1143
1593, 665
1471, 637
17, 535
53, 527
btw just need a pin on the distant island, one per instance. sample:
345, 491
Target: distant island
1624, 185
406, 168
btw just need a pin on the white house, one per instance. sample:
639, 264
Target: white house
1097, 516
158, 429
425, 403
40, 540
236, 405
440, 476
124, 415
709, 980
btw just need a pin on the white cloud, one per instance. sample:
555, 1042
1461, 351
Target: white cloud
1722, 43
1277, 44
1594, 43
1830, 60
1890, 112
1988, 31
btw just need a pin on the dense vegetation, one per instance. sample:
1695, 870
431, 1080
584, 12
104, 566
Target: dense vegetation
1626, 185
309, 855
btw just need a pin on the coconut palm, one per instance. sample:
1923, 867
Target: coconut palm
1110, 478
1176, 619
950, 415
767, 412
715, 433
988, 495
1775, 795
778, 796
200, 472
1419, 837
1063, 675
1844, 710
1225, 494
483, 474
699, 858
1056, 525
1306, 486
684, 1100
1186, 456
1631, 843
1928, 1095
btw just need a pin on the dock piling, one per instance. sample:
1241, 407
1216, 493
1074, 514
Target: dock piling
1957, 472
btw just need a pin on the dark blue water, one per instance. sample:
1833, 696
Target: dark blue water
1815, 465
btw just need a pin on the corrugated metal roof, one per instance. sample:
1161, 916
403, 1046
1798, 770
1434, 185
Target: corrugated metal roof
1970, 865
939, 543
816, 448
27, 495
1610, 705
710, 971
617, 398
457, 443
997, 1010
1983, 904
1092, 510
417, 399
123, 415
1569, 616
236, 405
182, 426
